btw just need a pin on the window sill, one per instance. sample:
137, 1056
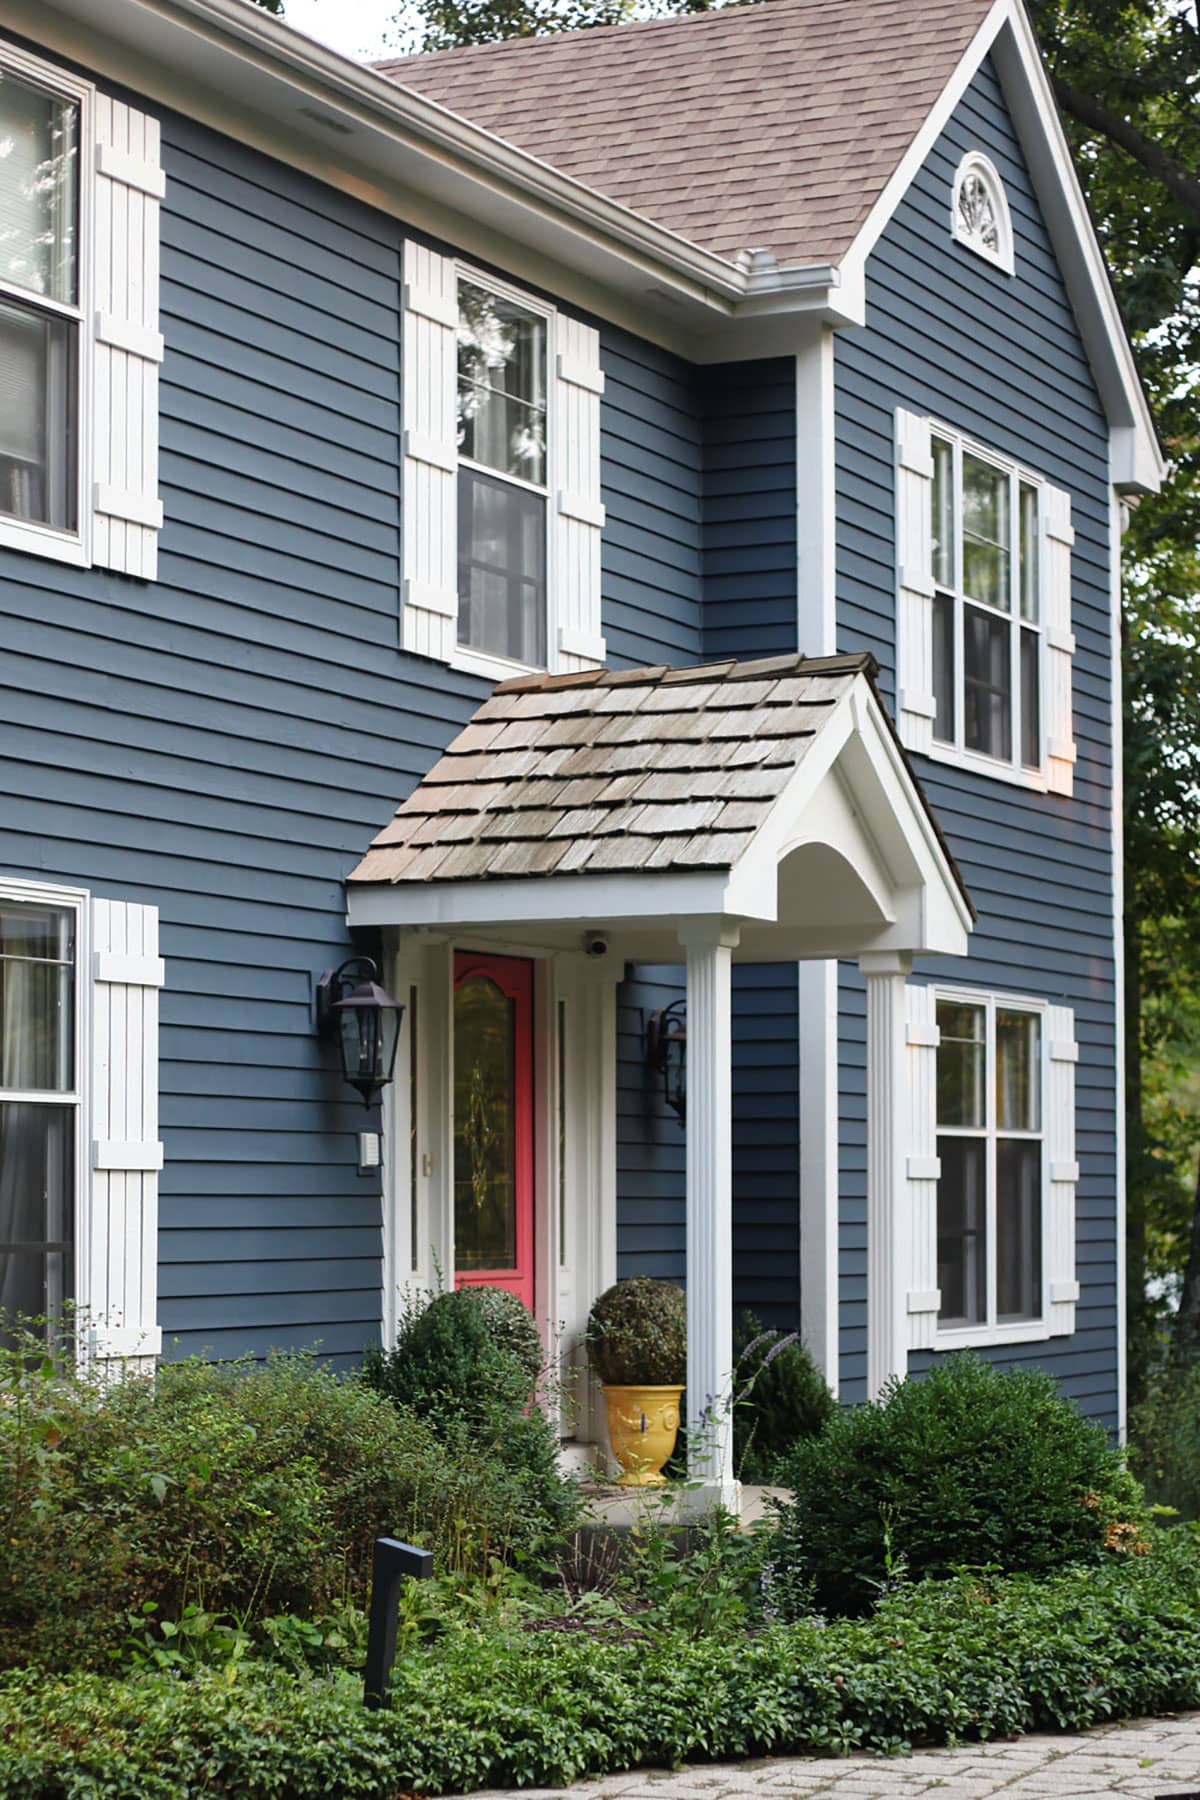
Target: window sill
1032, 780
978, 1337
492, 668
40, 540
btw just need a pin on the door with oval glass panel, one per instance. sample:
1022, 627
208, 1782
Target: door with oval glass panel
493, 1123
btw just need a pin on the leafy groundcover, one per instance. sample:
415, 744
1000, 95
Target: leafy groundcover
972, 1657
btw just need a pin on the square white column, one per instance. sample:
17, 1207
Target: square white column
888, 1225
709, 946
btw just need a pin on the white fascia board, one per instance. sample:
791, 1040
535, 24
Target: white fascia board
946, 905
944, 913
591, 900
1137, 460
1007, 35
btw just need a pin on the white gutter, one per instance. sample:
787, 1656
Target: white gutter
376, 99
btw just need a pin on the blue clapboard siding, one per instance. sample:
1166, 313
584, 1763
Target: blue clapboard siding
741, 442
651, 448
750, 508
1001, 358
223, 742
750, 610
651, 482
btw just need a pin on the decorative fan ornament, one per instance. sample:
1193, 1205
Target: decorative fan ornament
977, 214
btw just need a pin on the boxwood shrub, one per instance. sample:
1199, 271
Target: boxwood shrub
969, 1466
942, 1662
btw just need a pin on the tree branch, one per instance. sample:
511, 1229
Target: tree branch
1182, 186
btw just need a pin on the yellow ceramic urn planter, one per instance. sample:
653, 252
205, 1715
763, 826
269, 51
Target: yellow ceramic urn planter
643, 1423
637, 1345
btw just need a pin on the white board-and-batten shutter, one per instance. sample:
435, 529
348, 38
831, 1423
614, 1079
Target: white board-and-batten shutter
1062, 1171
579, 512
429, 522
122, 1251
915, 706
1057, 539
922, 1168
127, 346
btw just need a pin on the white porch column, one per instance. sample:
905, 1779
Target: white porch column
709, 946
887, 1226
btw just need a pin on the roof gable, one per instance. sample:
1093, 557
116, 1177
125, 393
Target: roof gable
774, 792
782, 136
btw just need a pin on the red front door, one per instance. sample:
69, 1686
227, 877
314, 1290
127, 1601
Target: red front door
493, 1123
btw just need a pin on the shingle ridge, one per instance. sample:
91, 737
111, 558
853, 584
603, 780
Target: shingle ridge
641, 28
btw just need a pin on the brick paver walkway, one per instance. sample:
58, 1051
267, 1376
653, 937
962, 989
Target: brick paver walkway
1147, 1759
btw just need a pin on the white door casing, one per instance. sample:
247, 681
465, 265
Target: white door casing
575, 1185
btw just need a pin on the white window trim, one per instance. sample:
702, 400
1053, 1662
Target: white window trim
465, 657
976, 163
957, 755
1020, 1331
74, 547
76, 900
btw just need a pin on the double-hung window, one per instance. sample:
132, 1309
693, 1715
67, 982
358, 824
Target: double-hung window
39, 1106
40, 304
80, 188
987, 612
990, 1151
984, 638
502, 462
502, 513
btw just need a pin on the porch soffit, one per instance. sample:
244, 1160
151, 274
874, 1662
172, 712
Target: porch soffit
773, 792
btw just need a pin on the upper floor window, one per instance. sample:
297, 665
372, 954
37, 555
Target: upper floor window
503, 511
987, 611
980, 218
502, 476
80, 186
984, 639
989, 1148
40, 304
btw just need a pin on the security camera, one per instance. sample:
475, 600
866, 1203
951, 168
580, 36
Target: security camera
595, 944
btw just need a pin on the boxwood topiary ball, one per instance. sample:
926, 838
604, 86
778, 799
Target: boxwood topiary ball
637, 1334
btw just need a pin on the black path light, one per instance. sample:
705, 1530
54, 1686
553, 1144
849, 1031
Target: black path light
353, 1009
666, 1053
391, 1564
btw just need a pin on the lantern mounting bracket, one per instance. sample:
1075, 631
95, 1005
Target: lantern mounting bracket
666, 1054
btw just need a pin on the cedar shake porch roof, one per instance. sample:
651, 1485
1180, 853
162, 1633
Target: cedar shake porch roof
652, 794
770, 127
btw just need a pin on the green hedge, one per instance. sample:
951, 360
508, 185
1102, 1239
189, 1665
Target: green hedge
944, 1661
244, 1490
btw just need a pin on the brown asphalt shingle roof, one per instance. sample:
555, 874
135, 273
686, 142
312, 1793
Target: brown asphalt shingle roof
773, 126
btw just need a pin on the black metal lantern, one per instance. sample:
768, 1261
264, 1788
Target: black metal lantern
666, 1053
353, 1009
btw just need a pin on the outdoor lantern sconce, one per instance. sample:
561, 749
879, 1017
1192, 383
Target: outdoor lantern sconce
666, 1053
365, 1022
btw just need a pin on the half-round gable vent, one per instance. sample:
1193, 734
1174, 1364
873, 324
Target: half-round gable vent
980, 218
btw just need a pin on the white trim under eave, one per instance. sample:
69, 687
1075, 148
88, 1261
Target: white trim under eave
1007, 35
